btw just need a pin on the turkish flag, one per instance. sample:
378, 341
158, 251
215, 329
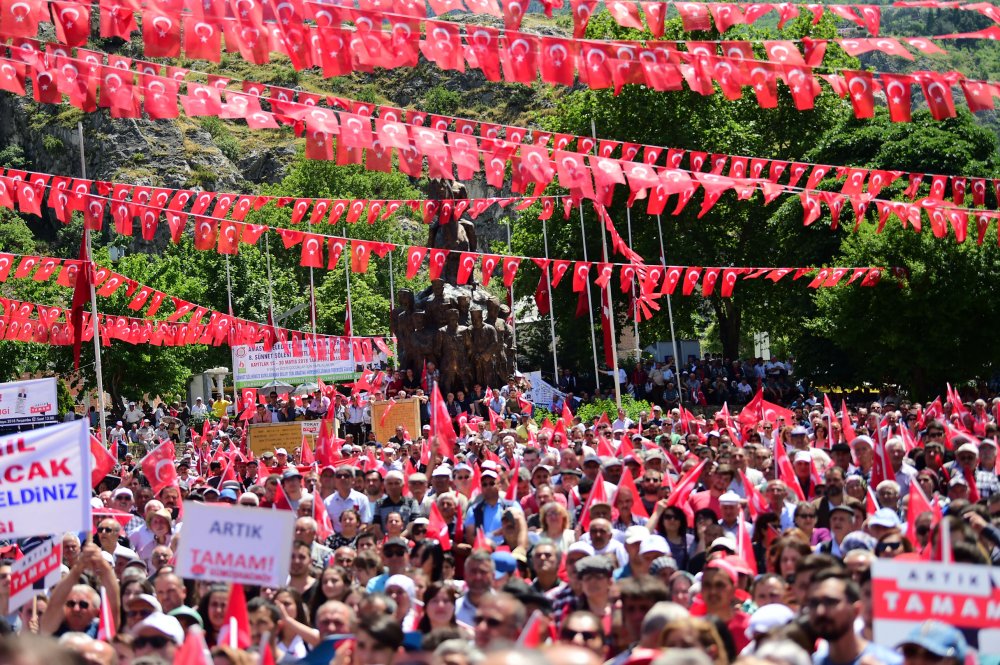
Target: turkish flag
443, 438
510, 266
860, 87
489, 264
414, 258
117, 20
466, 264
158, 467
102, 461
235, 629
161, 35
542, 294
360, 253
437, 261
937, 93
519, 57
72, 22
312, 251
558, 61
442, 45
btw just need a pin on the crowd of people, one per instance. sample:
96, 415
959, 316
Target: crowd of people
663, 539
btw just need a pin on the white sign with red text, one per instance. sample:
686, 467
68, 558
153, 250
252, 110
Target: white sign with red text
907, 593
223, 543
36, 572
45, 481
30, 402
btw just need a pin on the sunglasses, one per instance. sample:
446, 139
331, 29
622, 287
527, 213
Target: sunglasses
393, 552
568, 634
138, 613
155, 641
888, 547
343, 475
82, 604
105, 529
489, 621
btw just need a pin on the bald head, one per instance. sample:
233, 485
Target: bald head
565, 654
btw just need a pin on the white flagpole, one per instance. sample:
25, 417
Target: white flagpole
670, 316
232, 352
611, 307
635, 307
590, 304
98, 369
552, 309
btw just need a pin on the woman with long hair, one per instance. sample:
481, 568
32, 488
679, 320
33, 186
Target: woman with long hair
129, 590
785, 554
334, 583
295, 630
555, 525
766, 526
671, 523
439, 607
212, 610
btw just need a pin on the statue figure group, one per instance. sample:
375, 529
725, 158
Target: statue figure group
468, 345
462, 329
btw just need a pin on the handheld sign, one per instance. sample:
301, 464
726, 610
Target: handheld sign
907, 593
222, 543
36, 572
45, 481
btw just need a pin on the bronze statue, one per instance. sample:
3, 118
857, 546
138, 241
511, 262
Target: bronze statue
454, 348
486, 350
461, 329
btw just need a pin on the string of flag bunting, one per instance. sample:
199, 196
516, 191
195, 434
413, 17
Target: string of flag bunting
523, 57
203, 325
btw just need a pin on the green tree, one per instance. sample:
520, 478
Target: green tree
936, 325
733, 233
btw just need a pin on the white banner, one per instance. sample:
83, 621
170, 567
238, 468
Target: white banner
36, 572
45, 481
222, 543
541, 393
907, 593
31, 402
253, 366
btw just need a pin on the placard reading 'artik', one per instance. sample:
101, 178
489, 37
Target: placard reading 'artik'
222, 543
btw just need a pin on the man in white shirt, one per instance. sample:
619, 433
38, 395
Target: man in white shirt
133, 415
622, 422
344, 497
198, 410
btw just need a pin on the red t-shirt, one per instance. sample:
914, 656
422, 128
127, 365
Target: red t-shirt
702, 500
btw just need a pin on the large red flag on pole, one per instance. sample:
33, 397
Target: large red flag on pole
81, 296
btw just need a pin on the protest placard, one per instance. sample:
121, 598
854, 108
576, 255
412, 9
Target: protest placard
222, 543
36, 572
907, 593
45, 481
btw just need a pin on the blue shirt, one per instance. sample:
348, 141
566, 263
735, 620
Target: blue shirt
491, 519
880, 653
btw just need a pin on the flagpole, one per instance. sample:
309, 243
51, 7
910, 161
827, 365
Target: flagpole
670, 317
552, 309
312, 320
232, 352
635, 305
270, 300
510, 292
98, 369
606, 292
392, 305
350, 314
590, 304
